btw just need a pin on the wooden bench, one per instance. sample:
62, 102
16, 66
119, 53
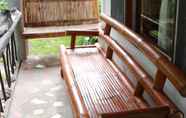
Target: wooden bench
98, 88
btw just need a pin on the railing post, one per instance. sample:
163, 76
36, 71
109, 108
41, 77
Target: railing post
3, 87
14, 50
1, 108
6, 68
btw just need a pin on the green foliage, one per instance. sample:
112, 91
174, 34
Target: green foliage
93, 40
100, 3
3, 5
154, 33
51, 45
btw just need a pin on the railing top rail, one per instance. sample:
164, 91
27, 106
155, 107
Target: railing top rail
172, 72
4, 40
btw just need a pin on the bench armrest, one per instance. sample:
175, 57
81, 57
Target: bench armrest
69, 77
157, 112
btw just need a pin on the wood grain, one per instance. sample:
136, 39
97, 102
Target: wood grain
102, 90
171, 71
39, 13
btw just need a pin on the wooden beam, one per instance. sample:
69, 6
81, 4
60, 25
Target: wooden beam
42, 35
83, 32
159, 112
129, 13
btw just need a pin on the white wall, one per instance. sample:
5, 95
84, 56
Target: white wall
14, 3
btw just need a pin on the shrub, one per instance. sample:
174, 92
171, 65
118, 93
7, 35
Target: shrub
3, 5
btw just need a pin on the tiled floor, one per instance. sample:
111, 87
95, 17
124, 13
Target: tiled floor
40, 93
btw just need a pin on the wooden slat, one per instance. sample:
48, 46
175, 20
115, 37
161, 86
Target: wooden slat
83, 32
159, 112
57, 31
101, 86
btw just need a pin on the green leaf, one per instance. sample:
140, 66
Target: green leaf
3, 5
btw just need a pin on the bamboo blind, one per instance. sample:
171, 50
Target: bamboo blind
59, 12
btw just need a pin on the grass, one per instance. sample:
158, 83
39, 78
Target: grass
51, 46
3, 5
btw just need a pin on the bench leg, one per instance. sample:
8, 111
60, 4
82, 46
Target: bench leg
61, 72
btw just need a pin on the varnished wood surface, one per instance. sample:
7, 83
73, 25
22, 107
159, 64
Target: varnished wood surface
79, 61
140, 75
173, 73
55, 31
101, 90
74, 91
99, 84
159, 112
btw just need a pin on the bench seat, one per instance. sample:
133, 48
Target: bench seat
103, 88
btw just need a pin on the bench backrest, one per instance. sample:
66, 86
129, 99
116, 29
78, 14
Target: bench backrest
145, 82
166, 70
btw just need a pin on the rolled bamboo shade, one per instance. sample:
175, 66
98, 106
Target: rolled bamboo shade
59, 12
